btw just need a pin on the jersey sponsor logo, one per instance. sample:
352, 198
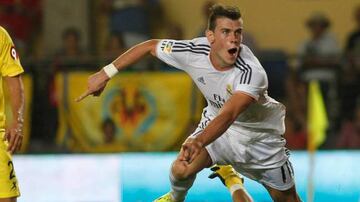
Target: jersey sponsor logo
13, 53
201, 80
218, 101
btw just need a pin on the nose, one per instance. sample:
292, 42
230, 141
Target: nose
234, 38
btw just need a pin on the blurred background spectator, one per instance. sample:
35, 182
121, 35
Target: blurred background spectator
70, 53
109, 131
133, 20
136, 27
349, 90
353, 40
318, 59
322, 44
114, 47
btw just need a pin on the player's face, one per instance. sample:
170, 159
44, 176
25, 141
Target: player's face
225, 42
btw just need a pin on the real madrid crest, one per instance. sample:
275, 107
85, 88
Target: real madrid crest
229, 89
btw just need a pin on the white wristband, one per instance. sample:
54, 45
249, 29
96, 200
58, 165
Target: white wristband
110, 70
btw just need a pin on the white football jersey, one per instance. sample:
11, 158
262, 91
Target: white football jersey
266, 115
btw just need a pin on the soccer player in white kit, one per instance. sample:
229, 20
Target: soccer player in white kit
241, 126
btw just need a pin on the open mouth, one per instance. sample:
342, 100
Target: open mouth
232, 51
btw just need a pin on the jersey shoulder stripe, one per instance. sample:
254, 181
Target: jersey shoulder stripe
191, 47
246, 71
190, 50
192, 44
242, 61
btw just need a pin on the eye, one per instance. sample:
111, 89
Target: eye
225, 31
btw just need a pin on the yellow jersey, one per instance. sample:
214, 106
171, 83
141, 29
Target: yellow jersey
9, 66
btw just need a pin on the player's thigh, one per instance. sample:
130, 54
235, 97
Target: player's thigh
183, 169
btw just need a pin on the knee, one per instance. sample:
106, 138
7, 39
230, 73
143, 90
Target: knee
180, 170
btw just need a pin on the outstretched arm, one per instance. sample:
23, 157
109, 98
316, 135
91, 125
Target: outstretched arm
14, 133
98, 81
229, 112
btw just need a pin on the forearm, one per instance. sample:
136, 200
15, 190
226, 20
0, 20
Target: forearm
17, 98
215, 128
227, 115
98, 81
135, 53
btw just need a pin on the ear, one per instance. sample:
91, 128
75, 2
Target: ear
210, 36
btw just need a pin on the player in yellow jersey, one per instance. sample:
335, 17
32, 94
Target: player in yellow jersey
11, 136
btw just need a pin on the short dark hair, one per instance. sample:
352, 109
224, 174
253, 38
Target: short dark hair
318, 19
218, 11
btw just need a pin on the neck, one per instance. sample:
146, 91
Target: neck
218, 63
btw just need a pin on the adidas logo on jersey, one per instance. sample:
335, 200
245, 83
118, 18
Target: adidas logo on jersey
201, 80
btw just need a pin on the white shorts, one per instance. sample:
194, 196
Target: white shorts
281, 178
259, 156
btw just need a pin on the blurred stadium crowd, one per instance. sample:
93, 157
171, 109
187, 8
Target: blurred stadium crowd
119, 24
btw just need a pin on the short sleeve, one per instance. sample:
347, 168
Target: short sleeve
9, 58
252, 81
171, 52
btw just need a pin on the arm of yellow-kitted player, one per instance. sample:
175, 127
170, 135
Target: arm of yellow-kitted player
14, 132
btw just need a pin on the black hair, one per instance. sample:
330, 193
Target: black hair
318, 19
218, 11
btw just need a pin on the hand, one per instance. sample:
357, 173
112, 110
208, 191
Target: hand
14, 135
96, 85
191, 148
